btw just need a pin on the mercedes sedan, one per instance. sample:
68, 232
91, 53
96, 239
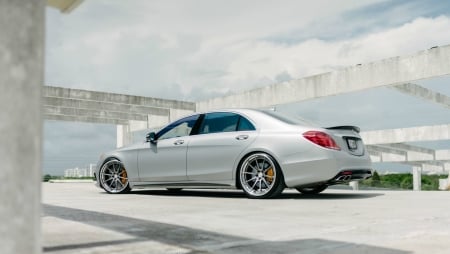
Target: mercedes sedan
261, 152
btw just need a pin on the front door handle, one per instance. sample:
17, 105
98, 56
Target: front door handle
178, 142
242, 137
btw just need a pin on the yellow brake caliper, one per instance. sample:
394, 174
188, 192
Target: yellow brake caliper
269, 174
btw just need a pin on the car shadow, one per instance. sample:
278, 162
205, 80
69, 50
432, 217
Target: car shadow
240, 194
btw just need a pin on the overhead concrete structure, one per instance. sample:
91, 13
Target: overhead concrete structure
100, 107
129, 112
423, 93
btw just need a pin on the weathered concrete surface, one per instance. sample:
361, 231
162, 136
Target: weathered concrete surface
423, 93
100, 107
411, 134
21, 76
337, 221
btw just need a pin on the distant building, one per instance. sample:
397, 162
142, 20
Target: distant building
80, 172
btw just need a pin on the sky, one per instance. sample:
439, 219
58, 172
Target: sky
199, 49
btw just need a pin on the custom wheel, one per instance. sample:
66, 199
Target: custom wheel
260, 176
312, 190
113, 177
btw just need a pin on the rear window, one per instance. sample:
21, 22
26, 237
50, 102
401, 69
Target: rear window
288, 118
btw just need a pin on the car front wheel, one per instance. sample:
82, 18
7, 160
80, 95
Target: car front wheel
113, 177
260, 176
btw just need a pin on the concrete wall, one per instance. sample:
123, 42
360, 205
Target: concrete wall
22, 25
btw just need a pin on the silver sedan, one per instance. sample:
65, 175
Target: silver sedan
259, 151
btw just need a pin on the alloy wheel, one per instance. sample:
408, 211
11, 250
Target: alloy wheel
259, 176
113, 177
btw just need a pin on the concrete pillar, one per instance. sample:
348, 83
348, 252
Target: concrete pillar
157, 121
354, 185
124, 135
417, 178
22, 25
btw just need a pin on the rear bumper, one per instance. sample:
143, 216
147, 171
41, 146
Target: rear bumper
328, 170
346, 176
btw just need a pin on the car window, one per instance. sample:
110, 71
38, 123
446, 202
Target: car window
245, 125
219, 122
180, 128
289, 119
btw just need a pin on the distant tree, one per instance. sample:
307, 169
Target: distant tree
407, 182
375, 179
46, 178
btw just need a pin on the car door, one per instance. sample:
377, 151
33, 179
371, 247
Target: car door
221, 138
165, 159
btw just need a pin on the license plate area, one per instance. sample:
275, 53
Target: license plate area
352, 143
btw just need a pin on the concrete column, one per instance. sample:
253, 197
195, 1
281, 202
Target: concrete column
354, 185
22, 25
417, 178
157, 121
124, 135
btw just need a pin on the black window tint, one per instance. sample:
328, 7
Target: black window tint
182, 127
245, 125
219, 122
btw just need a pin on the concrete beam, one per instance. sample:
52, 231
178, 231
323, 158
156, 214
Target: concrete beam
21, 77
92, 113
79, 94
424, 64
413, 153
103, 106
412, 134
442, 154
407, 148
86, 119
386, 154
423, 93
430, 166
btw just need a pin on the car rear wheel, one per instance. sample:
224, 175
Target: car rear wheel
114, 178
260, 176
312, 190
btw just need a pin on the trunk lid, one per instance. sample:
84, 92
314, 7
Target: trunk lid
348, 139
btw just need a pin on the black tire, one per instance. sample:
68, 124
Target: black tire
312, 190
174, 190
113, 177
260, 176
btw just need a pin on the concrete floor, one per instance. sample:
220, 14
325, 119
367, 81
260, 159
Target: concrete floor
79, 218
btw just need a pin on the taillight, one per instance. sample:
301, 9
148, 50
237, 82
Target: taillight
321, 139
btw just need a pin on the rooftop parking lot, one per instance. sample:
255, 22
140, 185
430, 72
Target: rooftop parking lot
80, 218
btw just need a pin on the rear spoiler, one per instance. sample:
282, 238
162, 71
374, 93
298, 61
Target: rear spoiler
345, 127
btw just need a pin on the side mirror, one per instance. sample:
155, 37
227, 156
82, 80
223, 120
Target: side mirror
151, 137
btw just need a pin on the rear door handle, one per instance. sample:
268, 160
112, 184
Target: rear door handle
178, 142
242, 137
